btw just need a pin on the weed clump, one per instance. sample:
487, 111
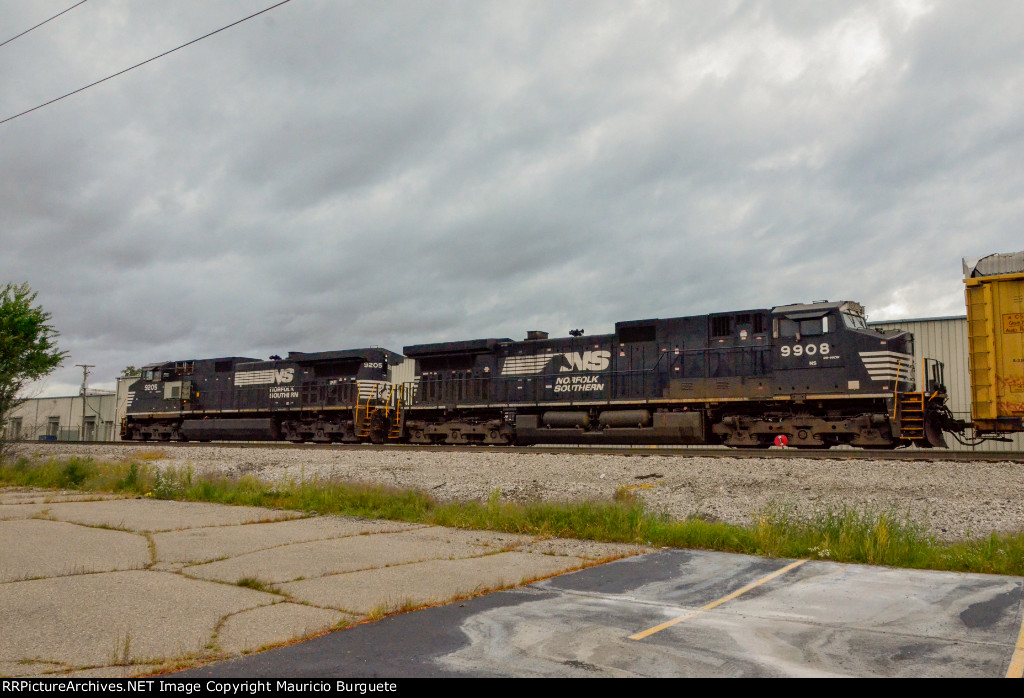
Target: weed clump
132, 480
75, 472
846, 534
256, 584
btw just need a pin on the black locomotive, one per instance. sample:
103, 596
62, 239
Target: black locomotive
813, 373
810, 375
324, 396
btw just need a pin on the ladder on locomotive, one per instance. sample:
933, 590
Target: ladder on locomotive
362, 415
397, 419
911, 407
391, 406
908, 410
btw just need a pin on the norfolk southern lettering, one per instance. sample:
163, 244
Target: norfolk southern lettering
578, 384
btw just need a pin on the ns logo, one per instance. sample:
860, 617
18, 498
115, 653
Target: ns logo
284, 375
268, 377
587, 361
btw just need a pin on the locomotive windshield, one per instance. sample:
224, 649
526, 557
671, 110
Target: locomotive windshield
856, 322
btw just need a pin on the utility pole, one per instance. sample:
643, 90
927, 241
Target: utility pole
85, 377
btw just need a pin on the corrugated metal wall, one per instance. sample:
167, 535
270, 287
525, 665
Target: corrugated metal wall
945, 339
66, 414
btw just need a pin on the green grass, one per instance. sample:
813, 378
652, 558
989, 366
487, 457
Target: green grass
257, 584
842, 535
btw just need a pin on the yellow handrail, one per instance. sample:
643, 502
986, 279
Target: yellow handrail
896, 389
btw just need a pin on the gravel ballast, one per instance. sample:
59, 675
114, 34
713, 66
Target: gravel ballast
955, 500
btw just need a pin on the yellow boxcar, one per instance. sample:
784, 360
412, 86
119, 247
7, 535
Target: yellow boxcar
995, 341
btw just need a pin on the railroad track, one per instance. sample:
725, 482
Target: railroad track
913, 454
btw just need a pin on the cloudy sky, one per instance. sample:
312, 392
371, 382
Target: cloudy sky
338, 174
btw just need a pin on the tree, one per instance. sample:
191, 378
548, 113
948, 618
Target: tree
28, 348
129, 371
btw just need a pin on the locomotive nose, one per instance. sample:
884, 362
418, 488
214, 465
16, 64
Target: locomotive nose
902, 348
902, 343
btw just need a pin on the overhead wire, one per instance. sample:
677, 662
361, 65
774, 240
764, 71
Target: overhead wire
43, 22
148, 60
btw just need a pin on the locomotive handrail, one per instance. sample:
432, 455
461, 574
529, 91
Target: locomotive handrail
896, 390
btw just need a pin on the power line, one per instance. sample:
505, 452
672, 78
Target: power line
42, 23
148, 60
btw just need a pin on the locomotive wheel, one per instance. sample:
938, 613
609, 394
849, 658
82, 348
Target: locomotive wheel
378, 429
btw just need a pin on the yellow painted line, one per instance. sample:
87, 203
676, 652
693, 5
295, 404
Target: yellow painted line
1016, 670
719, 602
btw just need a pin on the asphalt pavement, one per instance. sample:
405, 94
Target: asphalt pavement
677, 613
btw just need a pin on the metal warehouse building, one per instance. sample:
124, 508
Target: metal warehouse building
97, 417
73, 418
945, 339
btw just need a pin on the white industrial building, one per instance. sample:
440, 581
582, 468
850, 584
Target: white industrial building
72, 418
94, 417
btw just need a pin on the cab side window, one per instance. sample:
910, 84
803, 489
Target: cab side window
813, 328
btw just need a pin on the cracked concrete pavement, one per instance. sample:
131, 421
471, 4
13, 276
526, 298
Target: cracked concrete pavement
99, 585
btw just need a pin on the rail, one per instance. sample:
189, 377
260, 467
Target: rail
937, 455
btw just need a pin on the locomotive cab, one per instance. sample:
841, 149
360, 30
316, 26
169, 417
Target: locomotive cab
828, 348
833, 381
162, 388
168, 390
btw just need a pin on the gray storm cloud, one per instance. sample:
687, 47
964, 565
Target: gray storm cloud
339, 174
